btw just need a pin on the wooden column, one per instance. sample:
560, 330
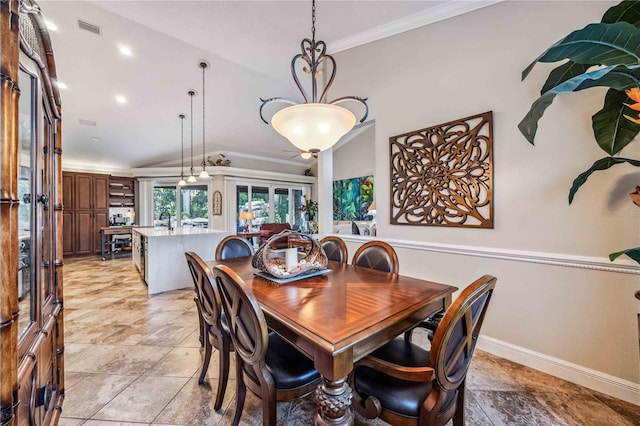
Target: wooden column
9, 95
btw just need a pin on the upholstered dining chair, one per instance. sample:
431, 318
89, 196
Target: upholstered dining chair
265, 363
404, 384
216, 333
377, 255
233, 246
335, 249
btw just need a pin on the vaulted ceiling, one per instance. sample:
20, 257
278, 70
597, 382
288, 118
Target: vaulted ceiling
248, 44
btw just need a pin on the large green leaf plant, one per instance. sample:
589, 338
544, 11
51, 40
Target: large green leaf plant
605, 54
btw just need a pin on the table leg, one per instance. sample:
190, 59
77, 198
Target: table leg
102, 245
333, 399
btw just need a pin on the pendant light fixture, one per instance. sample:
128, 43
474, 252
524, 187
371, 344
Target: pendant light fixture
192, 177
203, 173
181, 182
316, 124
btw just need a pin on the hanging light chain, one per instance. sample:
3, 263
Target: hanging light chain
191, 93
313, 21
204, 162
181, 145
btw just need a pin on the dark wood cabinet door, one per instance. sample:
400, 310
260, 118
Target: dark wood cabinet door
83, 192
67, 191
100, 220
84, 232
100, 192
68, 230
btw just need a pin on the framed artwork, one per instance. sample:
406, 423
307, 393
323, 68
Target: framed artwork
217, 203
352, 198
443, 175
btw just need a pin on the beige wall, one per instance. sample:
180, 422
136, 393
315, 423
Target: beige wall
357, 157
471, 64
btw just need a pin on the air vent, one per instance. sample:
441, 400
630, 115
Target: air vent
87, 122
92, 28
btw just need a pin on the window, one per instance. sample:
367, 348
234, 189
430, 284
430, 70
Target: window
164, 201
194, 206
269, 204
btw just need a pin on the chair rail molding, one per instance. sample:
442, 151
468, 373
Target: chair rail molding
557, 259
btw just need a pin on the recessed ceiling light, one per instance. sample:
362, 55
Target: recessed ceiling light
87, 122
125, 50
51, 26
121, 99
61, 85
95, 139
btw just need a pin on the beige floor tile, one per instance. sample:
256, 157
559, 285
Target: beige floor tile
192, 340
93, 392
179, 362
67, 421
142, 400
581, 410
133, 359
193, 405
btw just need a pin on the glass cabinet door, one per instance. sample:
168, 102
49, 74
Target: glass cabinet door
26, 135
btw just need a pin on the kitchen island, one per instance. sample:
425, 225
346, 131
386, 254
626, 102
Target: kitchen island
158, 253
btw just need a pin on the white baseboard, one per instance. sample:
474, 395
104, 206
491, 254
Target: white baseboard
592, 379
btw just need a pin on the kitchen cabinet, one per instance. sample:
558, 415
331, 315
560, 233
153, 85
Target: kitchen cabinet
86, 197
31, 235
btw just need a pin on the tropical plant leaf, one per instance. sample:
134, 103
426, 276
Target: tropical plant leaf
563, 73
602, 44
612, 131
633, 253
626, 11
529, 124
601, 164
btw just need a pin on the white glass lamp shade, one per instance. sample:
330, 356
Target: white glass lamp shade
182, 182
313, 126
192, 179
204, 174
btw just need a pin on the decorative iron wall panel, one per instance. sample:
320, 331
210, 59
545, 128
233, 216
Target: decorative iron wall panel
443, 175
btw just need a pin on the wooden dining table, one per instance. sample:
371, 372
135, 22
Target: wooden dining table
340, 317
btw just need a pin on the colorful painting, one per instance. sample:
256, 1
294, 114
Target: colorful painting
352, 198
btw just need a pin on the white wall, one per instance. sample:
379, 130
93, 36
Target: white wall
357, 157
471, 64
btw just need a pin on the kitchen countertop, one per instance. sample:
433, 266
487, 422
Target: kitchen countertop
180, 231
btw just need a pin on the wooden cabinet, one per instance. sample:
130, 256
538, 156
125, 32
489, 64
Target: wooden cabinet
32, 239
87, 196
122, 192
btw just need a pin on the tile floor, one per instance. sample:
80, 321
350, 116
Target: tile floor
131, 359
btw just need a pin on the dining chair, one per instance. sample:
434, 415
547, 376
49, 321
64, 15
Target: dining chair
265, 363
335, 249
404, 384
233, 246
216, 333
376, 255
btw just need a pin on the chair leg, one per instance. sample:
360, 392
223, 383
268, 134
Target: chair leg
223, 373
268, 411
200, 322
205, 364
458, 417
241, 393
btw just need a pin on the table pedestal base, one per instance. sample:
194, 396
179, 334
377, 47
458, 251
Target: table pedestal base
333, 401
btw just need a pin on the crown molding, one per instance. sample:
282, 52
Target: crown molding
428, 16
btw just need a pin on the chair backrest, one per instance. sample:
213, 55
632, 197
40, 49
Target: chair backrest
377, 255
247, 325
335, 249
207, 293
453, 345
233, 246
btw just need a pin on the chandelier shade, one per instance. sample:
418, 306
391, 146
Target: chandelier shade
313, 127
316, 124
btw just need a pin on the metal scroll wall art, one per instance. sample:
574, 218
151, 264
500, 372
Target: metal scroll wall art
443, 175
